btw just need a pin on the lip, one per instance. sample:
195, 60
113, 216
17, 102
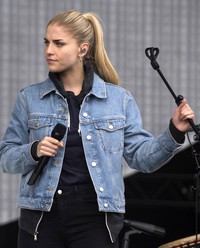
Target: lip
51, 61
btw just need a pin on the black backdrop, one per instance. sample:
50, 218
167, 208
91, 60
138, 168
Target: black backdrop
165, 198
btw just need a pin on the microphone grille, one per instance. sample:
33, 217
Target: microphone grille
59, 131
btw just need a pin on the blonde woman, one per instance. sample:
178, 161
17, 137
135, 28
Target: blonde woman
78, 199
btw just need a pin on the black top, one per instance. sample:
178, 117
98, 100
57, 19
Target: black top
74, 170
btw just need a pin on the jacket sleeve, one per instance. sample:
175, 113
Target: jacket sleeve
15, 149
143, 151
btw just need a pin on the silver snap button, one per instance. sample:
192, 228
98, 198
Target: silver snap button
60, 192
105, 205
89, 137
110, 126
101, 189
85, 114
94, 164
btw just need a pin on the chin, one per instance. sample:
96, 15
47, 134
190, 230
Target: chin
54, 70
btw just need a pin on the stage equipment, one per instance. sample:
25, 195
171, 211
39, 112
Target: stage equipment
184, 243
137, 227
152, 54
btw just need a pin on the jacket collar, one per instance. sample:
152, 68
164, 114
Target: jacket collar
98, 87
47, 87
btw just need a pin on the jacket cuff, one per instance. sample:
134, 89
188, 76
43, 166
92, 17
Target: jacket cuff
34, 150
178, 135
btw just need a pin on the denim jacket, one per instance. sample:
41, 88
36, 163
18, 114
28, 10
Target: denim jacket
111, 128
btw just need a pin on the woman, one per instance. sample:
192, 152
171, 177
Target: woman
78, 199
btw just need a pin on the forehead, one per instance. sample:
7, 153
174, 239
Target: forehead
57, 32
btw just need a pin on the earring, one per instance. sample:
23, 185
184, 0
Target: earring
80, 58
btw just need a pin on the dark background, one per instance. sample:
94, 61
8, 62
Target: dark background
165, 198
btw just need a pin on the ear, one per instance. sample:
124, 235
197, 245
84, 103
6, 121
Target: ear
84, 49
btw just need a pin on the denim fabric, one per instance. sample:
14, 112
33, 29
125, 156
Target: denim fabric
111, 128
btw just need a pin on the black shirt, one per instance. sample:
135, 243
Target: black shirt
74, 170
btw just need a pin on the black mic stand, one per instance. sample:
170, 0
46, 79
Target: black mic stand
152, 53
138, 228
126, 238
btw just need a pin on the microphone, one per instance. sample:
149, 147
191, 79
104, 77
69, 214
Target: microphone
57, 133
145, 227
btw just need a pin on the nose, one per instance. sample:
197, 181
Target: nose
49, 49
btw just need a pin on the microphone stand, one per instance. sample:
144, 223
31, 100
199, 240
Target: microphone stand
138, 228
152, 53
126, 238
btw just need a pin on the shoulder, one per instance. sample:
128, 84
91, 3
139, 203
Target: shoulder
109, 89
34, 86
40, 89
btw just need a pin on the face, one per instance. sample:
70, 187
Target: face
61, 50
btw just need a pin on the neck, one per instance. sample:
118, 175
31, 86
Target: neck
73, 82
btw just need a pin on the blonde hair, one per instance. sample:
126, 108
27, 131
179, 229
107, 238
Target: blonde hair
86, 27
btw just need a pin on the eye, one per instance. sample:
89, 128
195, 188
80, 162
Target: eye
46, 42
59, 43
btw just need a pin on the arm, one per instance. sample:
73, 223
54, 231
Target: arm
146, 153
15, 148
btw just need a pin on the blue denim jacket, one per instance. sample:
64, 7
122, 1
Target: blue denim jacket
111, 128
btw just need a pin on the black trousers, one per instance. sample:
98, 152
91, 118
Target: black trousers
73, 222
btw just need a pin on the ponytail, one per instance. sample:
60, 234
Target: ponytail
102, 62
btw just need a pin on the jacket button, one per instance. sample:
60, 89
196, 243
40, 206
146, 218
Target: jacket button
89, 137
37, 124
105, 205
111, 126
94, 164
85, 114
101, 189
60, 192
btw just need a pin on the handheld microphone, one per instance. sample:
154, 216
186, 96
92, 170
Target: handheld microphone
57, 133
145, 227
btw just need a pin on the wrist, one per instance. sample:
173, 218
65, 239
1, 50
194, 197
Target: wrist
178, 135
34, 150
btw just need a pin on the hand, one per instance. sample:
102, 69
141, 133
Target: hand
48, 146
181, 116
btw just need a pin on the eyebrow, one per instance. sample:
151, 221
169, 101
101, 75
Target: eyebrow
56, 40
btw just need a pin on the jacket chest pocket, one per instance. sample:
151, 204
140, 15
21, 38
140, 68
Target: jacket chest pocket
111, 134
39, 127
